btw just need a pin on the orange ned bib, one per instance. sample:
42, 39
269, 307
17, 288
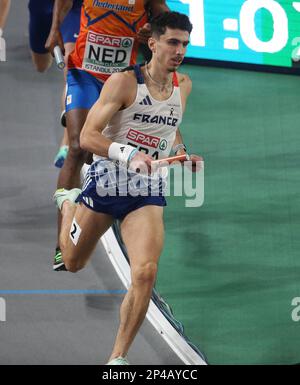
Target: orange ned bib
107, 39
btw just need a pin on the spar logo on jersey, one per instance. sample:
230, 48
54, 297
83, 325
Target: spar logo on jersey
104, 40
110, 41
147, 140
156, 119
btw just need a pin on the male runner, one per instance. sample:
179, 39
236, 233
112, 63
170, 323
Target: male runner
40, 20
108, 42
147, 101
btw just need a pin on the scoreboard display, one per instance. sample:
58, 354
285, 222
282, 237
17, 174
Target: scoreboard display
261, 32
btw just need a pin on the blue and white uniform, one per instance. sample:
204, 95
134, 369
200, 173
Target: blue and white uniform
150, 126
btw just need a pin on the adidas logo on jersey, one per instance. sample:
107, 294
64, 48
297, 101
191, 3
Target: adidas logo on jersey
146, 101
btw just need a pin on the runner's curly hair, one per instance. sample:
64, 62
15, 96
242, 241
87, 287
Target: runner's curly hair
172, 20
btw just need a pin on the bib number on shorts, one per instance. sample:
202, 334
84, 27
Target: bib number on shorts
106, 54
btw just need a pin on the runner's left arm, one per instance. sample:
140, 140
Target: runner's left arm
157, 6
60, 10
178, 144
185, 90
153, 8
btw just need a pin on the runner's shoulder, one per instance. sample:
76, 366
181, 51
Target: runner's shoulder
185, 82
122, 79
184, 79
121, 86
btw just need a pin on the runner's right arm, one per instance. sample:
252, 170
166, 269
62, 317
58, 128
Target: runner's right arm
60, 10
114, 96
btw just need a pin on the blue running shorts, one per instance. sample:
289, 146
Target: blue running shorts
83, 89
99, 176
40, 20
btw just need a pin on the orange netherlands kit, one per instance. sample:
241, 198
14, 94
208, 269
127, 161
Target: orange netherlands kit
107, 39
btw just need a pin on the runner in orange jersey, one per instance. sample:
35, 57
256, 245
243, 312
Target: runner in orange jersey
108, 41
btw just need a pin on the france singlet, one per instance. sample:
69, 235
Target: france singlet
150, 126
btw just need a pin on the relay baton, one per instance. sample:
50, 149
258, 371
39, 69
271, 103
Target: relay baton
59, 57
170, 160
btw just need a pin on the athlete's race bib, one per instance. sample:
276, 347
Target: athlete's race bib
106, 54
149, 144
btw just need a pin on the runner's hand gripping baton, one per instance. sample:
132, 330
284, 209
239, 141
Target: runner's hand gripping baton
194, 166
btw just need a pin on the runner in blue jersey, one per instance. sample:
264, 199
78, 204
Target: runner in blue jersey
40, 21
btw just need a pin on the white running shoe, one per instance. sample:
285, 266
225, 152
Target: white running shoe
62, 195
118, 361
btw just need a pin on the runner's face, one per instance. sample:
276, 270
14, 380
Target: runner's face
171, 47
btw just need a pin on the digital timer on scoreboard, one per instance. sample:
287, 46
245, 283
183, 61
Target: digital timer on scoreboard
264, 32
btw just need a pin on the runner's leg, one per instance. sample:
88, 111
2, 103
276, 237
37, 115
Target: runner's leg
77, 243
143, 233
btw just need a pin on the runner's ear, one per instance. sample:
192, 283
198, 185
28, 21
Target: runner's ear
152, 44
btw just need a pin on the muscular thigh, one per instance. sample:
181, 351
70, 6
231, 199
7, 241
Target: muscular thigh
75, 121
83, 89
40, 20
143, 234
